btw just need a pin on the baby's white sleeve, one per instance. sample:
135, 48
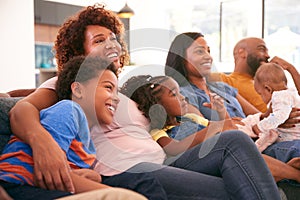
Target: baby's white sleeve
282, 104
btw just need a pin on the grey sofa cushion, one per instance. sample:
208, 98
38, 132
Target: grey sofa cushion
6, 103
291, 191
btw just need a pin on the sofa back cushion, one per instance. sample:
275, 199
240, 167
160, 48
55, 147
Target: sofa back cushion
6, 103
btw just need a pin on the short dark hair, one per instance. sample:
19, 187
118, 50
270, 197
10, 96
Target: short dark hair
80, 69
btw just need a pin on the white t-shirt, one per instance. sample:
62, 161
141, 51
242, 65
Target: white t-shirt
125, 142
49, 84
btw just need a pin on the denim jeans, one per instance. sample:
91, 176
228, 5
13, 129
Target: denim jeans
27, 192
284, 151
179, 184
143, 183
227, 166
233, 156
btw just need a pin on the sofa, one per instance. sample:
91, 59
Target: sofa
6, 103
287, 191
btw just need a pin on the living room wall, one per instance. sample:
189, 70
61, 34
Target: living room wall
17, 45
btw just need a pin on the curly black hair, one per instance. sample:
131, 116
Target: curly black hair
80, 69
145, 90
70, 38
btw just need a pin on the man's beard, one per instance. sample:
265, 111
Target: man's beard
254, 64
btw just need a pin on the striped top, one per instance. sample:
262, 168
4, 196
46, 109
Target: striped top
67, 124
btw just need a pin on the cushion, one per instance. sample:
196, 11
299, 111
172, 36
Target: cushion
6, 103
291, 191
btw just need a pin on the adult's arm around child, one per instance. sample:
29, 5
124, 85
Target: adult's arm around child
25, 123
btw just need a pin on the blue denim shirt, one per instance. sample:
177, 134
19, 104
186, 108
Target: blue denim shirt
197, 97
187, 127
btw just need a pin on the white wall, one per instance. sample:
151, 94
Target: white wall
17, 45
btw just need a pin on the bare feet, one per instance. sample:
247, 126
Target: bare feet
295, 162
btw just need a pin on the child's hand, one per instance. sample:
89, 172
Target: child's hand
256, 130
217, 103
215, 127
89, 174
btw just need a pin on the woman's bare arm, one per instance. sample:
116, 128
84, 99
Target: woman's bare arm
193, 109
83, 184
281, 170
89, 174
292, 120
173, 147
248, 108
25, 115
25, 124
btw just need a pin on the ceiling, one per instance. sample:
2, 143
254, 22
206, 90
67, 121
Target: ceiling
117, 5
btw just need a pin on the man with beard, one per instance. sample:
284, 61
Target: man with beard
249, 54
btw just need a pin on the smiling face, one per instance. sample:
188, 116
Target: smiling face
257, 54
102, 42
198, 59
171, 98
100, 91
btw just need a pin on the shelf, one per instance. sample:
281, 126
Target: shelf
50, 69
44, 74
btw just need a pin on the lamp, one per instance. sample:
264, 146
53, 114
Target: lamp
125, 12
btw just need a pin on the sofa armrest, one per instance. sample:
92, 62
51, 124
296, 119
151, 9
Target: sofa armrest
20, 92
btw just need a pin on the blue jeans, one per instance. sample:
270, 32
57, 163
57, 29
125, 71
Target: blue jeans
179, 184
232, 156
27, 192
143, 183
227, 166
284, 151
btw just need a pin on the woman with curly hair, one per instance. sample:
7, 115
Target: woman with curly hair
72, 36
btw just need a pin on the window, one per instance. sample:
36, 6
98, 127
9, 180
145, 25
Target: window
226, 22
282, 29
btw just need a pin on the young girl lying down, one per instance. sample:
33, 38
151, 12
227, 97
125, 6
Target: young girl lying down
176, 130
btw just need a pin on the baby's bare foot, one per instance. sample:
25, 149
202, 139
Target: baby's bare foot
295, 162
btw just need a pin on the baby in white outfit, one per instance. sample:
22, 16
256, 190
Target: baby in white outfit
271, 83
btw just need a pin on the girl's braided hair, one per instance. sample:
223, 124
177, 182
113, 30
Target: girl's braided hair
145, 90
